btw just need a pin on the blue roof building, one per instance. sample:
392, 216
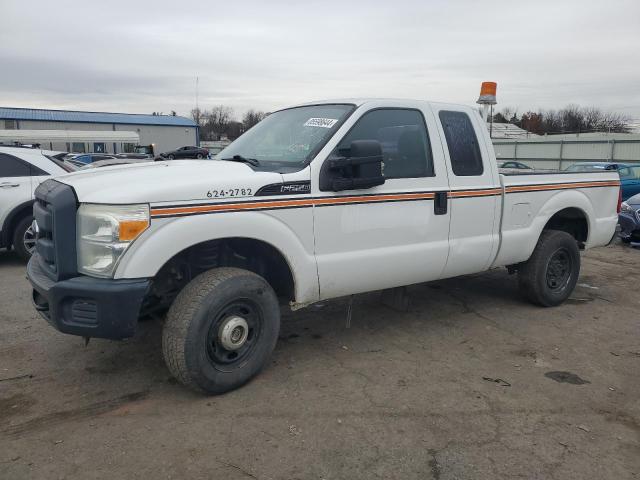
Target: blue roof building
92, 117
166, 132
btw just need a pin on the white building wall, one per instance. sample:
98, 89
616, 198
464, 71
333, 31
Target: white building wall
64, 146
164, 138
559, 153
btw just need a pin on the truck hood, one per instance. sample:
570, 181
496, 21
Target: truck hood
170, 181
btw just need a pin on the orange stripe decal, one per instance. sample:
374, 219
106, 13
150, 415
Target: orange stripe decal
475, 193
341, 200
560, 186
225, 207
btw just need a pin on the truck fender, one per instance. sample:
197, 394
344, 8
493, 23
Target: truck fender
169, 236
517, 244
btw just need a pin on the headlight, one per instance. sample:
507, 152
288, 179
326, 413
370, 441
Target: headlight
104, 232
625, 207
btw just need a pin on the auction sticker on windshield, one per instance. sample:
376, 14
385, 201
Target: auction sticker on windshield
321, 122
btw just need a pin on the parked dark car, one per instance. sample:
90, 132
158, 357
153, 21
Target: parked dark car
629, 219
629, 174
512, 164
187, 152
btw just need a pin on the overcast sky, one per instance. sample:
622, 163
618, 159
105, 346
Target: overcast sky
144, 56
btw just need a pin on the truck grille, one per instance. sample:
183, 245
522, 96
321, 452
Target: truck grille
54, 210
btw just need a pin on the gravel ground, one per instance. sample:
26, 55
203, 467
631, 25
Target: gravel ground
463, 385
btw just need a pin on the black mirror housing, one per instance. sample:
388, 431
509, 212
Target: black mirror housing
360, 169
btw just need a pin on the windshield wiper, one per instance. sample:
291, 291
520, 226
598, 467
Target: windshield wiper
239, 158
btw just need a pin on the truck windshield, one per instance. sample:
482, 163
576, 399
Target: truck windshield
286, 139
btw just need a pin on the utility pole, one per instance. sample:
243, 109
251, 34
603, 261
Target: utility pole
197, 107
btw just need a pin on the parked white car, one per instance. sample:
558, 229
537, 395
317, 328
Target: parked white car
21, 171
314, 202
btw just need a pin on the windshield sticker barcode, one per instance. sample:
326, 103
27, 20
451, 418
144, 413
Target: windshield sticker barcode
321, 122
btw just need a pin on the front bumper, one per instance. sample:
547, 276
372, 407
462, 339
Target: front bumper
87, 306
629, 225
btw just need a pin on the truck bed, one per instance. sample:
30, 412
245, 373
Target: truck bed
530, 200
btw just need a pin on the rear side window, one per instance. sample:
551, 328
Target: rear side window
11, 166
462, 142
402, 133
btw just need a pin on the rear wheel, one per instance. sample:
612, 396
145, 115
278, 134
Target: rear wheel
221, 330
550, 275
24, 238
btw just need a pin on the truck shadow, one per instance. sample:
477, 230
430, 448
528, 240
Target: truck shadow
116, 368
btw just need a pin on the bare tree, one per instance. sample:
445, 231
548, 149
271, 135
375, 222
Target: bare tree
532, 122
217, 121
196, 115
575, 119
500, 118
251, 118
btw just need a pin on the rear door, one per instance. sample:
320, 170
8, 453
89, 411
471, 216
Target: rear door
475, 190
391, 234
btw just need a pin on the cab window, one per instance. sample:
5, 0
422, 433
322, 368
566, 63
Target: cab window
464, 151
402, 133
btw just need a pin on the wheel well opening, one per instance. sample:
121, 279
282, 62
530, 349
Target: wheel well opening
17, 217
247, 253
573, 221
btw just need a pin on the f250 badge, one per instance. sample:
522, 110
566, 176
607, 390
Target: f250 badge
289, 188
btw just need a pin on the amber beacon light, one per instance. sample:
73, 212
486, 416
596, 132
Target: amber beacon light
488, 93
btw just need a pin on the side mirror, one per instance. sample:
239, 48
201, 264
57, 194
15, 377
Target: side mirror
361, 168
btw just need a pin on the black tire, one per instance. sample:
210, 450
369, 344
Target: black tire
23, 245
199, 156
551, 273
192, 341
171, 157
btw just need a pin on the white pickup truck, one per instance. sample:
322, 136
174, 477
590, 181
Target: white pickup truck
315, 202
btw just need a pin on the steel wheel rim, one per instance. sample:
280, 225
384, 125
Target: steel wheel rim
559, 270
29, 240
225, 359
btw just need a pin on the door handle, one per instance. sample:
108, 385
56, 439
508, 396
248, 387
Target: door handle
9, 185
440, 203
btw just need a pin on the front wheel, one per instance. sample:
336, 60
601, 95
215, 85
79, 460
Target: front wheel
199, 156
550, 275
171, 157
221, 330
24, 238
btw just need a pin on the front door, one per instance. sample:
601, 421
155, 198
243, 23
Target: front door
389, 235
